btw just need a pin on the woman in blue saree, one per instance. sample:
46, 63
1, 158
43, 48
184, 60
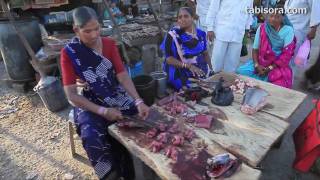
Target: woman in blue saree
185, 49
109, 94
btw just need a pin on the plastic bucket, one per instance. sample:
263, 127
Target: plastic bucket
161, 83
145, 86
52, 96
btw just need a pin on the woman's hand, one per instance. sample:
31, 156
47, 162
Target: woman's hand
81, 83
312, 33
196, 71
196, 16
260, 70
111, 114
268, 69
211, 35
143, 111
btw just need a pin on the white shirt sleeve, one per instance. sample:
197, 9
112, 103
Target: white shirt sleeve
315, 12
250, 18
212, 14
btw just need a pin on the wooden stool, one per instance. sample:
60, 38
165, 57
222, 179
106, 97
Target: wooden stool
72, 132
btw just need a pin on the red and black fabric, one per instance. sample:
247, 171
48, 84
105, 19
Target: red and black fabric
307, 140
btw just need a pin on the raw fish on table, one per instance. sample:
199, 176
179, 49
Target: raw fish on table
254, 100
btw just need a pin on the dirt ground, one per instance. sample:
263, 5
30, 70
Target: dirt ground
34, 142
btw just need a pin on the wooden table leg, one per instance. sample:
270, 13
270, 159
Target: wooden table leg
278, 143
142, 171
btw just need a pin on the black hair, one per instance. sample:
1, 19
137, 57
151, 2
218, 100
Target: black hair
188, 9
82, 15
281, 6
133, 1
277, 9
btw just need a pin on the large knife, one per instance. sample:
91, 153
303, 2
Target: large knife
205, 84
140, 121
203, 81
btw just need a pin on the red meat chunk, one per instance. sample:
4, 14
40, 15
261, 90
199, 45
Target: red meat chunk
156, 146
172, 152
163, 137
174, 128
162, 127
152, 133
203, 121
177, 140
167, 108
180, 108
175, 108
189, 134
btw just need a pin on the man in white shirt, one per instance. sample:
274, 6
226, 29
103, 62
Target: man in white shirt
227, 21
202, 10
305, 25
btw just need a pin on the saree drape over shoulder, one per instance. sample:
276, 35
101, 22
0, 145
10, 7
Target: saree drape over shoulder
104, 90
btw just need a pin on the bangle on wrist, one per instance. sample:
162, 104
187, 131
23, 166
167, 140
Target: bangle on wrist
270, 67
138, 101
106, 110
256, 65
184, 65
101, 110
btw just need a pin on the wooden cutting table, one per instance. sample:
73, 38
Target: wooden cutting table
246, 137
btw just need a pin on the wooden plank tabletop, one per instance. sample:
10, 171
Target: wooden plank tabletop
282, 102
251, 137
247, 137
161, 164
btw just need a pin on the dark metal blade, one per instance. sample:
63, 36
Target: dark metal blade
140, 121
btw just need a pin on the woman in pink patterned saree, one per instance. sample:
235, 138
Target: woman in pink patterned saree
273, 49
